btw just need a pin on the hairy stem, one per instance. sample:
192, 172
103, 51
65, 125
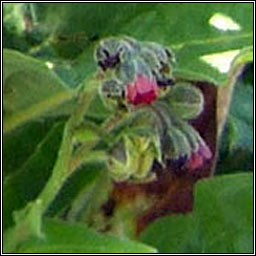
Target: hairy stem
29, 219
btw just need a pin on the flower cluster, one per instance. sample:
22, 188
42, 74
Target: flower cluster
139, 67
136, 72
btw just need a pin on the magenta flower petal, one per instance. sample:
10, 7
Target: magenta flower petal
205, 151
197, 159
142, 91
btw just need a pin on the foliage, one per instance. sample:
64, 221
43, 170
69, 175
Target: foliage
223, 207
58, 129
76, 238
236, 152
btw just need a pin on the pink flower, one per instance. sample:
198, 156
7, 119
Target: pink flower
142, 91
198, 158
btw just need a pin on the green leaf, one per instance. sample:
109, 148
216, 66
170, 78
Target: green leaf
14, 26
65, 36
26, 183
242, 114
236, 149
204, 50
87, 205
221, 222
79, 180
30, 89
61, 237
19, 144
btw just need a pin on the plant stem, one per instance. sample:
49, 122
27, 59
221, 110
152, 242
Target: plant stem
28, 220
62, 165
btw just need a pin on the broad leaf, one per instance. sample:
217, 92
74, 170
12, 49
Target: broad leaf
206, 37
222, 220
61, 237
26, 183
19, 144
30, 89
195, 33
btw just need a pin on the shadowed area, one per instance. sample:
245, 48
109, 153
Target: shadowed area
172, 192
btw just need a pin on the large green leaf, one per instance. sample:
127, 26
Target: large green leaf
188, 29
27, 182
61, 237
204, 36
222, 220
30, 89
196, 31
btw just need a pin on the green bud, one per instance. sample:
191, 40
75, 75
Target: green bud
185, 100
134, 161
176, 144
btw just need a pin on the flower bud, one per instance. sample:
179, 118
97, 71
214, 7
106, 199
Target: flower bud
141, 91
132, 159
